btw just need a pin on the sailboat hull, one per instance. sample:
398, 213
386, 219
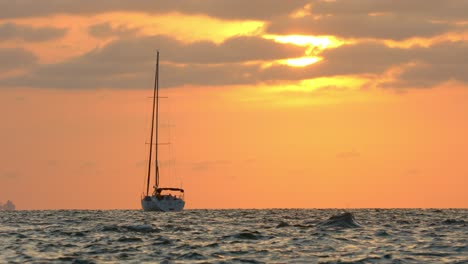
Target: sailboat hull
163, 204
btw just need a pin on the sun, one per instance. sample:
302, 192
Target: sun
300, 62
315, 45
320, 42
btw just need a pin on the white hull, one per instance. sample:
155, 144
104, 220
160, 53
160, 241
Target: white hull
164, 204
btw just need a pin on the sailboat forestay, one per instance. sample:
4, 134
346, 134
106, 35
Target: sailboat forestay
161, 199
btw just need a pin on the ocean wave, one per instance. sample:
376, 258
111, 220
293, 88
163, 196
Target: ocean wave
344, 220
235, 236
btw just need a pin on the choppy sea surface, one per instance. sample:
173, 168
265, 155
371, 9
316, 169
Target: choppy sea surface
235, 236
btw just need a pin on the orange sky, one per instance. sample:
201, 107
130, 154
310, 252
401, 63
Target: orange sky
271, 108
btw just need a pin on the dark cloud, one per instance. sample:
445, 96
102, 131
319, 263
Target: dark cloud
397, 19
434, 65
362, 58
429, 66
14, 58
424, 9
213, 75
103, 30
377, 19
240, 9
79, 75
129, 63
13, 31
388, 26
235, 49
427, 76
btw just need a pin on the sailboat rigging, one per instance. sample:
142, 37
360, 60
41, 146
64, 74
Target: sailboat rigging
159, 200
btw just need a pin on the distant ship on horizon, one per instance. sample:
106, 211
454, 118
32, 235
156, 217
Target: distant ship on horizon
8, 206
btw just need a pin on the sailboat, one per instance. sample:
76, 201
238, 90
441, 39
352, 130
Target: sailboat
9, 206
161, 199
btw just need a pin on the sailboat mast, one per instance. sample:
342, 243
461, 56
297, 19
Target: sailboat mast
152, 127
157, 120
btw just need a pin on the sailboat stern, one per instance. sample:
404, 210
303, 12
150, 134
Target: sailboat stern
164, 202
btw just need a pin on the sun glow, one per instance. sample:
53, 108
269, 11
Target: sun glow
300, 62
185, 28
320, 42
189, 28
303, 12
318, 91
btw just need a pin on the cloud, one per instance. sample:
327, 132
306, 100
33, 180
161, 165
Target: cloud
103, 30
430, 65
381, 19
427, 76
427, 9
9, 175
113, 66
105, 75
232, 50
387, 26
205, 165
129, 63
362, 58
240, 9
10, 31
434, 65
14, 58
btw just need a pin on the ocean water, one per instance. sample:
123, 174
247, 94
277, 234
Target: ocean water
235, 236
